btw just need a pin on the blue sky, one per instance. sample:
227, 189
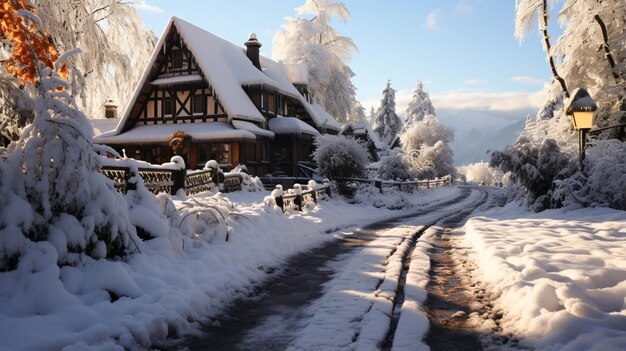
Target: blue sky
463, 50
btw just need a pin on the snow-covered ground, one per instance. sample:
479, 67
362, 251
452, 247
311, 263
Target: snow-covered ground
559, 277
167, 289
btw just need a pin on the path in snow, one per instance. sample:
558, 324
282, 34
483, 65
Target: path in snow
453, 298
301, 307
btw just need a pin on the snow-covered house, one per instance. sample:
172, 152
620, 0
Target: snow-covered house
363, 132
237, 106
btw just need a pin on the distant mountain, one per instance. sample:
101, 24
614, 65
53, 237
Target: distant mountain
477, 133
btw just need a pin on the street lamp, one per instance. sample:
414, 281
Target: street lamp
581, 107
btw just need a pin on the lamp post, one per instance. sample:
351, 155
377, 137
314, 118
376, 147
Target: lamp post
581, 107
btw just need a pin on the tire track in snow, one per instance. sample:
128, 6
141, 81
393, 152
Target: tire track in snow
273, 317
409, 340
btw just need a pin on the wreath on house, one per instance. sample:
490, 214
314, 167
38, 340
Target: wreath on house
179, 142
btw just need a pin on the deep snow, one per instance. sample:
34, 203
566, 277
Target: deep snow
559, 276
167, 289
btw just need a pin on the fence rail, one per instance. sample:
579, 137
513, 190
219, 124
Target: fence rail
406, 186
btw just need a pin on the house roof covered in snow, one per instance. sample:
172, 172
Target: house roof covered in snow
363, 128
159, 133
228, 70
291, 125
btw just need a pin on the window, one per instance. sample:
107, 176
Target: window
168, 107
271, 104
198, 104
177, 59
217, 152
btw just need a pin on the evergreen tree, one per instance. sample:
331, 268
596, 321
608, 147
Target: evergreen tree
387, 124
326, 52
419, 106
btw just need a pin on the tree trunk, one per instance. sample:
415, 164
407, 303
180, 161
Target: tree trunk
605, 46
546, 40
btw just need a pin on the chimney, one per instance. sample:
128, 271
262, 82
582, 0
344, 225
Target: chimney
252, 50
110, 109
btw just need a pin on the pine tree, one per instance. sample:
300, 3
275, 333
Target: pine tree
419, 106
326, 52
387, 124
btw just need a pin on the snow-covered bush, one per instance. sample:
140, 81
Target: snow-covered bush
393, 167
534, 170
52, 177
481, 173
249, 182
604, 181
340, 156
425, 145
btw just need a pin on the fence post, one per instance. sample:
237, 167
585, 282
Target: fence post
280, 202
178, 179
298, 201
327, 185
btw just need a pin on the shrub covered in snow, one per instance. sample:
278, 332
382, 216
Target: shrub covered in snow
603, 183
393, 167
534, 170
481, 173
53, 189
340, 156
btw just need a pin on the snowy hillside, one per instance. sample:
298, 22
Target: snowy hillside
475, 133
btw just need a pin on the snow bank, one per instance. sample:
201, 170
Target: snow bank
181, 276
560, 276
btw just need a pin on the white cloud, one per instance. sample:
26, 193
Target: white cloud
528, 80
143, 5
503, 103
489, 101
463, 8
474, 82
431, 21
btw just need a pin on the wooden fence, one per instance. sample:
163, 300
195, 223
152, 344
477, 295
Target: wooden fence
405, 186
170, 181
298, 198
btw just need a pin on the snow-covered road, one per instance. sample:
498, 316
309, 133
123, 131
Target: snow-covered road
362, 291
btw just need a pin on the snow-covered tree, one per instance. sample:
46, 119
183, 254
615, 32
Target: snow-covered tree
340, 156
593, 52
52, 174
371, 117
115, 49
357, 114
427, 150
311, 40
387, 124
419, 106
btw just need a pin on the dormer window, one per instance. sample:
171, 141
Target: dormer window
177, 59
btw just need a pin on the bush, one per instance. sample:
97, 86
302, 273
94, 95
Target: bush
604, 181
394, 167
340, 156
534, 170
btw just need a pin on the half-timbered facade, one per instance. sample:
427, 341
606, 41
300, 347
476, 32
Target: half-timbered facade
237, 106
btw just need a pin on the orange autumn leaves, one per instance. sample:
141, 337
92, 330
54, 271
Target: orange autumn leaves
28, 43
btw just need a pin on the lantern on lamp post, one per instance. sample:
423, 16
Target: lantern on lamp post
581, 107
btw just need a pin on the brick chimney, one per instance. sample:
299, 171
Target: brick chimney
252, 50
110, 109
